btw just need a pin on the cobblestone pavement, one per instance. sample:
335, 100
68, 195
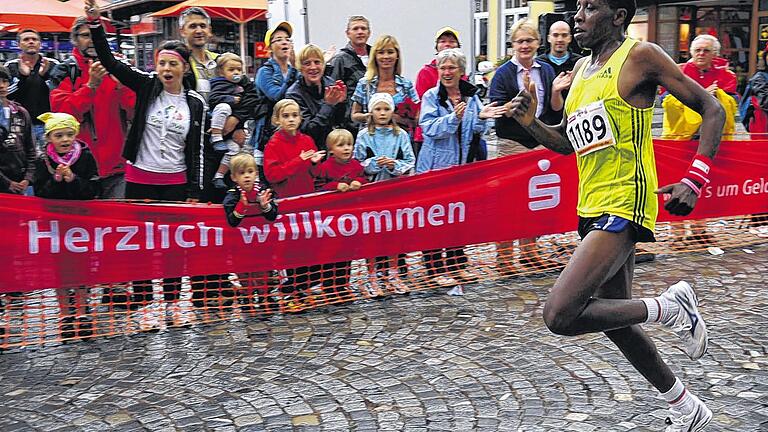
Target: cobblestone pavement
484, 361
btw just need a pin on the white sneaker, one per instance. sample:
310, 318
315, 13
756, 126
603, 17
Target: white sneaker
693, 422
149, 318
398, 286
688, 323
458, 290
180, 314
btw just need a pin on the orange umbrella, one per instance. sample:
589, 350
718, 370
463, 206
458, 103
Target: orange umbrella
239, 11
41, 15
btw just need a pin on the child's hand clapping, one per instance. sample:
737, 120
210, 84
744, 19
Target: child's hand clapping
342, 187
355, 185
385, 162
318, 156
264, 199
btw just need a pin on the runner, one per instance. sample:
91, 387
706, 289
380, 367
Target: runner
608, 125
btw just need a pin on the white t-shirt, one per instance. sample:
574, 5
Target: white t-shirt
364, 59
162, 146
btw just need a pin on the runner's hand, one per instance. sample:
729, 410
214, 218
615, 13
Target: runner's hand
523, 106
681, 200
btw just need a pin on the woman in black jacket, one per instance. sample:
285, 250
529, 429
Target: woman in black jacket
164, 146
322, 102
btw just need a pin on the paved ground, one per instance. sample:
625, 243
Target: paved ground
424, 362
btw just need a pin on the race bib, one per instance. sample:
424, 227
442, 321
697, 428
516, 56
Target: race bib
589, 129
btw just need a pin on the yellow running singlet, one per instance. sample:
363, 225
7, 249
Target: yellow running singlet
614, 149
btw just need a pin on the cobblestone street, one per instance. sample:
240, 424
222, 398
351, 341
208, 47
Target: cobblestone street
484, 361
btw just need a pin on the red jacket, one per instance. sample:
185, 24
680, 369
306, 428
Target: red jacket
287, 173
332, 172
103, 125
719, 72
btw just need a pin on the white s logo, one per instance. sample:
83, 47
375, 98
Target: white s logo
544, 190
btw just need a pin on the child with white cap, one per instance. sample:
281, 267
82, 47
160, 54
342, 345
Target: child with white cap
385, 151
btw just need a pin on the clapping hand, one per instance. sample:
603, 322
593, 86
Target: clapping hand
562, 81
492, 111
264, 198
523, 106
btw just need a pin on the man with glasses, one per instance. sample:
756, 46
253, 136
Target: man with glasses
509, 79
195, 29
351, 62
29, 73
101, 104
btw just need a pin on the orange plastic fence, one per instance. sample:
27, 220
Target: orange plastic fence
82, 313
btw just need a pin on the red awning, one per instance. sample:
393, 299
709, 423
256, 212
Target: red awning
239, 11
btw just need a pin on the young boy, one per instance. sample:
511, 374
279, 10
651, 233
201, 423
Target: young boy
340, 172
242, 199
248, 199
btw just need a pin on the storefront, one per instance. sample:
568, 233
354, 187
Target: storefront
674, 25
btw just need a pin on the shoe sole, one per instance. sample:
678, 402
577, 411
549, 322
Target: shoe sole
698, 325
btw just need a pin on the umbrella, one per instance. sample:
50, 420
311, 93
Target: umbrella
42, 15
239, 11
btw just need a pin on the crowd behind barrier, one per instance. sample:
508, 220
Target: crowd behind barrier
196, 128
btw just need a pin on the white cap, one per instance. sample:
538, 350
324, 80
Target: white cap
381, 97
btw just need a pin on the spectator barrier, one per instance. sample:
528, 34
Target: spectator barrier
274, 267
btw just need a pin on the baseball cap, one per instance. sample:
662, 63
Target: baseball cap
282, 25
449, 30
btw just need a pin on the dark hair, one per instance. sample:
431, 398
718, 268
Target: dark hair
26, 30
79, 22
175, 45
629, 5
193, 11
5, 73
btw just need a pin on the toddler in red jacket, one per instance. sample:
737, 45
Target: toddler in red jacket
341, 171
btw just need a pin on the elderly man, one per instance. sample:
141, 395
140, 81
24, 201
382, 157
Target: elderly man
351, 62
682, 123
712, 73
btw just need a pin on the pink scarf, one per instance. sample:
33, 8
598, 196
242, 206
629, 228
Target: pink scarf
68, 158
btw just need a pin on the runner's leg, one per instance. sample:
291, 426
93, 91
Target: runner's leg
571, 308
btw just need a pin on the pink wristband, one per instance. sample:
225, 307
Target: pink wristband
691, 185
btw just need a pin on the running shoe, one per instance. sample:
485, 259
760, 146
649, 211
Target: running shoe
396, 284
180, 314
149, 317
688, 322
693, 422
458, 290
444, 281
467, 276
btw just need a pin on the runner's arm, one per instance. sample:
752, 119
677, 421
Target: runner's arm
665, 72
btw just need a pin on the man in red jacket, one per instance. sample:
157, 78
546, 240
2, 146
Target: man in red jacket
101, 104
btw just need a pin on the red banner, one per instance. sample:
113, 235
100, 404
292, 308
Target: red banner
52, 243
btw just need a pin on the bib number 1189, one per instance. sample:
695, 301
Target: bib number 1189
588, 129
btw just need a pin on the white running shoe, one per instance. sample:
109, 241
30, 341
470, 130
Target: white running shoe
458, 290
180, 314
688, 322
693, 422
149, 318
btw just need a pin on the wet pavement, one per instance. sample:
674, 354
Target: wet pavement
426, 361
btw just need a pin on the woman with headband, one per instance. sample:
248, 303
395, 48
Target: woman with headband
164, 147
